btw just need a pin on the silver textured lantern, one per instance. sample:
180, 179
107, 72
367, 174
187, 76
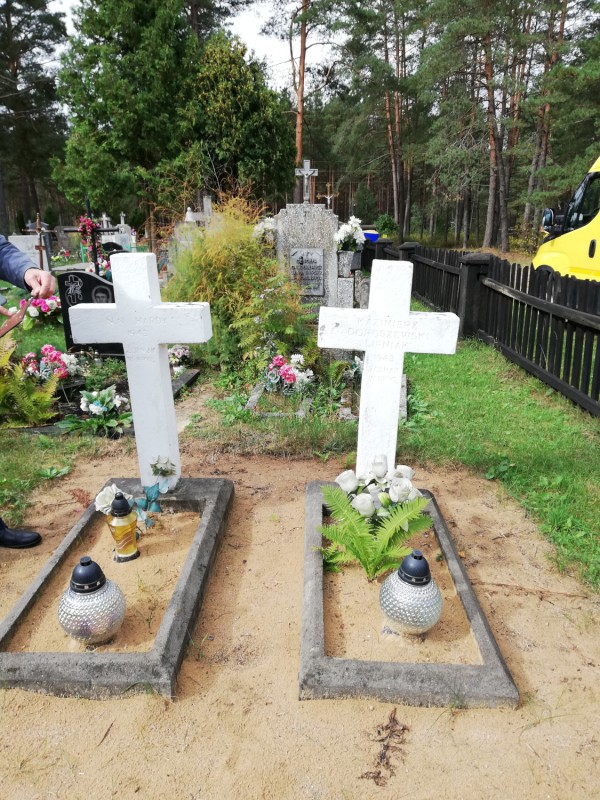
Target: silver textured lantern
92, 608
410, 597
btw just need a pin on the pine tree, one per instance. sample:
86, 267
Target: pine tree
32, 129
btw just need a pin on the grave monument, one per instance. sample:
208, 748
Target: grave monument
144, 325
385, 331
305, 244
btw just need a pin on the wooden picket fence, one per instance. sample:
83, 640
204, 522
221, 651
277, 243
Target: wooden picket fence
547, 323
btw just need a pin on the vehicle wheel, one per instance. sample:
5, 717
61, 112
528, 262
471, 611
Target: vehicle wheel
545, 268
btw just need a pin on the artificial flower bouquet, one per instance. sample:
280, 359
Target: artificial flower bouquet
350, 236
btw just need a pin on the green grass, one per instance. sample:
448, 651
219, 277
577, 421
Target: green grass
478, 409
27, 460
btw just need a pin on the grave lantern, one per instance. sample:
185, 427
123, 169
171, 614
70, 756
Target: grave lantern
410, 597
122, 522
92, 608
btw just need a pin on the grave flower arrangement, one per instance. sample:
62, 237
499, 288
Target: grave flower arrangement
40, 310
288, 378
49, 362
88, 228
107, 413
350, 236
372, 516
179, 356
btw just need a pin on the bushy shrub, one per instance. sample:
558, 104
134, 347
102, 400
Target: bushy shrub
385, 225
22, 401
256, 310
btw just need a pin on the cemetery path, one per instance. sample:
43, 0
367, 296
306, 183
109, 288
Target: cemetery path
236, 728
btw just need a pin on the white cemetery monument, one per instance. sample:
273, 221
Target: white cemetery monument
30, 246
145, 325
385, 331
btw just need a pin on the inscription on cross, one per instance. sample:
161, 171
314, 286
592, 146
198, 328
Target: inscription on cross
145, 326
307, 173
385, 331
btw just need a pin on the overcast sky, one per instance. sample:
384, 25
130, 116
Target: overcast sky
247, 26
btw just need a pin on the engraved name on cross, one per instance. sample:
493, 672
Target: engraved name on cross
307, 173
145, 326
385, 331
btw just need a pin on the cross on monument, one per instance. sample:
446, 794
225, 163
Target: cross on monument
385, 331
40, 245
306, 172
145, 326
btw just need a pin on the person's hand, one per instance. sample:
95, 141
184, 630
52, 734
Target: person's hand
41, 283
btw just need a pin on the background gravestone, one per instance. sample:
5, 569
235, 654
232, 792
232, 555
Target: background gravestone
79, 286
27, 244
305, 231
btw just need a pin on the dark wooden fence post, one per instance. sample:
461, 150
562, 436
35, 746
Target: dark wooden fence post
406, 251
472, 267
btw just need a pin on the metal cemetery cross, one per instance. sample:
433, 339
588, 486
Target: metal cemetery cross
385, 331
306, 172
145, 326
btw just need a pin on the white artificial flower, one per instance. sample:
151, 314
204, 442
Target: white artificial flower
347, 481
400, 490
84, 405
402, 471
97, 409
379, 467
297, 358
33, 311
52, 304
363, 503
414, 493
106, 496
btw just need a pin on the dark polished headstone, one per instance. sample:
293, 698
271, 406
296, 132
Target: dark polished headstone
79, 286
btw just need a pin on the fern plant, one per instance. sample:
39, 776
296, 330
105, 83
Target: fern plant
376, 541
22, 401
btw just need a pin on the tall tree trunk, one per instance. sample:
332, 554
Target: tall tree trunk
298, 191
407, 202
493, 150
466, 224
4, 230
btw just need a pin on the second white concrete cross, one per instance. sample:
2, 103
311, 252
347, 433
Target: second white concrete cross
385, 331
145, 326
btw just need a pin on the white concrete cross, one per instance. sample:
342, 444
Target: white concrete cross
145, 326
306, 172
385, 331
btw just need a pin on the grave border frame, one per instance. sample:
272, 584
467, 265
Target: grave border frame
487, 685
101, 675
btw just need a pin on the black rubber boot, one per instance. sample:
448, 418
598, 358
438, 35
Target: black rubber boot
17, 539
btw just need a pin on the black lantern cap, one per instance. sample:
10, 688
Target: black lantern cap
120, 505
87, 576
415, 569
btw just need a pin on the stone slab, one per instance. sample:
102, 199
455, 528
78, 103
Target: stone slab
100, 675
257, 393
487, 685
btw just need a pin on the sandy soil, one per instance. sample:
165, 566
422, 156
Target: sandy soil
236, 728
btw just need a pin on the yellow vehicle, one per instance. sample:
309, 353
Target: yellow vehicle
572, 243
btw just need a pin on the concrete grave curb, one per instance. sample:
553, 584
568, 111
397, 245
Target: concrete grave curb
416, 684
101, 675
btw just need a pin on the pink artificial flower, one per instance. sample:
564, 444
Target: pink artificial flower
288, 374
47, 348
279, 361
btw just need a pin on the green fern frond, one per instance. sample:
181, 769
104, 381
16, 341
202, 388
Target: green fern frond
7, 347
376, 545
404, 520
